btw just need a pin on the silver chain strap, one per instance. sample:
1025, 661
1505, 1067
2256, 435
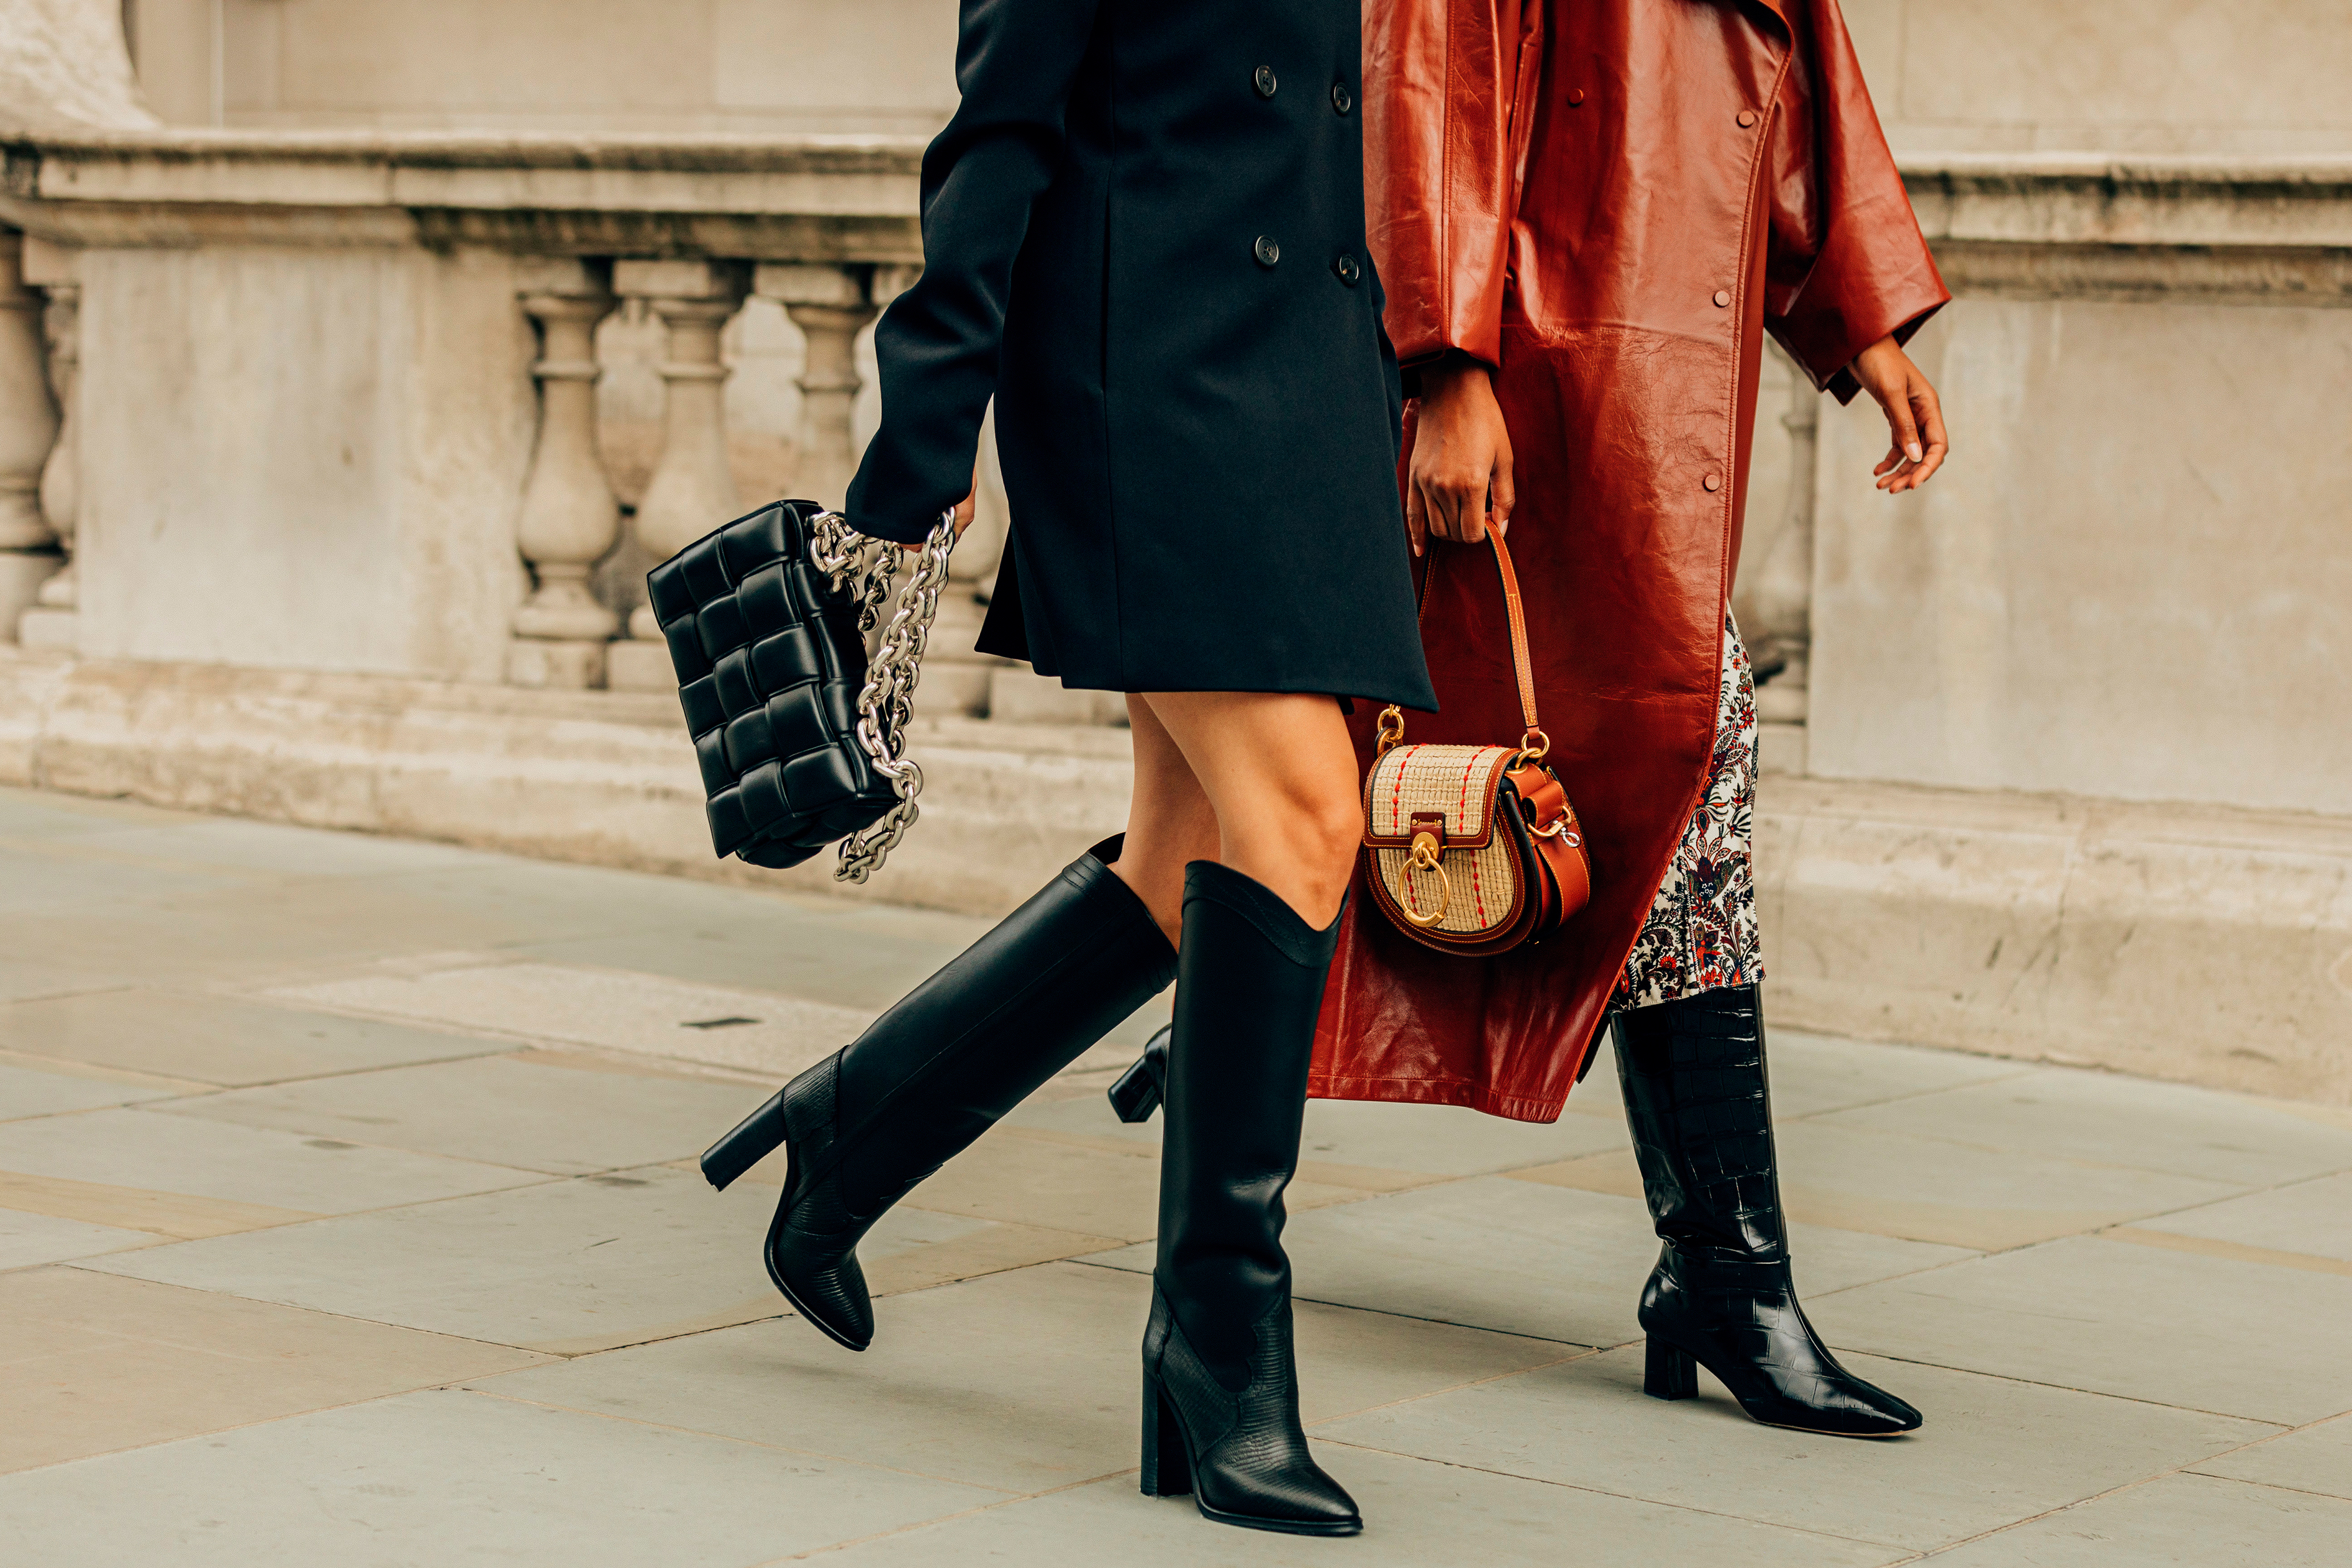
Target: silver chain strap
867, 567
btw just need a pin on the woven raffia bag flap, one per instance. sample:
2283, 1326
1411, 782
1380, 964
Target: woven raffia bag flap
801, 739
1474, 849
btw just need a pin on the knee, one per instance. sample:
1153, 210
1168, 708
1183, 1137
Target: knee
1330, 829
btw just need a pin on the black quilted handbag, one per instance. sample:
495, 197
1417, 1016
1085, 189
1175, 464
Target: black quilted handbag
802, 741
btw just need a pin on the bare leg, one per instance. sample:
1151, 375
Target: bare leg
1169, 822
1278, 775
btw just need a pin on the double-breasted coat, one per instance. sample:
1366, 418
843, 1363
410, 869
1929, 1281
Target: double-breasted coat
1609, 202
1143, 235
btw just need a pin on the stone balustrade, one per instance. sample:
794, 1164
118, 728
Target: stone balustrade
349, 392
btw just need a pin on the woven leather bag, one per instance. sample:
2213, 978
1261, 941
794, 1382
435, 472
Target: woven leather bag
800, 741
1474, 849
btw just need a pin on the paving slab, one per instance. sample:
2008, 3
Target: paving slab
218, 1039
199, 1157
1417, 1514
2313, 1219
1956, 1195
2179, 1521
1024, 1381
1993, 1451
776, 1035
27, 1092
2172, 1328
2109, 1119
92, 1363
571, 1267
454, 1478
549, 1112
26, 1239
1521, 1257
2315, 1459
47, 877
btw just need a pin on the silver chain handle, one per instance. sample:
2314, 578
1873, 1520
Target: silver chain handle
868, 567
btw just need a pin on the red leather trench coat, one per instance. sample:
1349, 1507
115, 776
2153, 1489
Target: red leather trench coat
1609, 202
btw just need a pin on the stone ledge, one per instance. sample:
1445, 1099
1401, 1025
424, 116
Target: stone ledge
2203, 944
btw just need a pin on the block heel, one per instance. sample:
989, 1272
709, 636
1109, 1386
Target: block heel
1669, 1372
1142, 1087
1167, 1467
752, 1141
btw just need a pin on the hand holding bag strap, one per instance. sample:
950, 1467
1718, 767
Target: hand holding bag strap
1535, 742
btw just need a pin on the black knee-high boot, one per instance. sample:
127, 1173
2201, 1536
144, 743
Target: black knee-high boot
941, 1067
1220, 1387
1721, 1297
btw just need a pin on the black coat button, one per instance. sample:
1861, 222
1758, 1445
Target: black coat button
1341, 98
1267, 252
1264, 81
1347, 268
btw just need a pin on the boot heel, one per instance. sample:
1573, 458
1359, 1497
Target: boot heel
1668, 1373
747, 1145
1167, 1468
1137, 1093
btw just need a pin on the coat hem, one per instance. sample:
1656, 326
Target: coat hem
1436, 1091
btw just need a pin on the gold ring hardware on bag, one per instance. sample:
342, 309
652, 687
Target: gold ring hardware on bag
1391, 729
1427, 855
1533, 745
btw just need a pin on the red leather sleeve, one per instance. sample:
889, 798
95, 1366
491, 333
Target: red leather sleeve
1846, 264
1442, 78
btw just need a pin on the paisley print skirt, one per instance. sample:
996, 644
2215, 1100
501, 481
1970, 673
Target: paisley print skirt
1701, 931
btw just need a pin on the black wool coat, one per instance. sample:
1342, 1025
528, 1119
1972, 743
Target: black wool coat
1143, 235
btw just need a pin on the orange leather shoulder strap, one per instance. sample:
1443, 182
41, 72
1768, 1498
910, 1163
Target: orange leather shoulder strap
1522, 667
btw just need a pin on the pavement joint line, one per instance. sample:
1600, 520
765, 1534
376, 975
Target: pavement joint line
2025, 1069
2225, 1251
474, 1387
167, 1108
1626, 1496
76, 1264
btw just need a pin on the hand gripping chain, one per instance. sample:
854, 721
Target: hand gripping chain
886, 705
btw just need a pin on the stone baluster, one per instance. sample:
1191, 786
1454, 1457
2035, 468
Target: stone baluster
28, 432
692, 489
570, 518
829, 305
1784, 592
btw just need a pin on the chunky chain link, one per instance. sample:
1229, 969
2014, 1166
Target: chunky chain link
887, 703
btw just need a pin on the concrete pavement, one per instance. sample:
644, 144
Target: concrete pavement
347, 1214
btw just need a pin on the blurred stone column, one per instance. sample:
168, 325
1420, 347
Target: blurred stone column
53, 623
1783, 636
692, 490
28, 433
830, 305
569, 518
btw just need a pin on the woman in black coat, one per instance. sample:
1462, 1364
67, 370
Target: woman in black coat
1144, 237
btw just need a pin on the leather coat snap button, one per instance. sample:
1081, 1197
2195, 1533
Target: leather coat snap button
1262, 79
1747, 118
1347, 270
1341, 98
1722, 297
1713, 481
1575, 96
1266, 251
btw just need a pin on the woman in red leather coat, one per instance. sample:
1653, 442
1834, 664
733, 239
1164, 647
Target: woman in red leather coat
1587, 216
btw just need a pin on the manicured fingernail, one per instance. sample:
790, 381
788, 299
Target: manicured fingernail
1914, 452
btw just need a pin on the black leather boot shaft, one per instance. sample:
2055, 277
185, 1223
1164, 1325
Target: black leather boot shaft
1249, 985
1701, 1112
1721, 1296
960, 1050
942, 1067
1221, 1393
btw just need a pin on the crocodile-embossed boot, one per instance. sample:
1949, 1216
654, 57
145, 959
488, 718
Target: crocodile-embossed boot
1721, 1296
1219, 1386
942, 1067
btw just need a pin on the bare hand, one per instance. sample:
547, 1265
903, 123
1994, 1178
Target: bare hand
1914, 418
1460, 481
